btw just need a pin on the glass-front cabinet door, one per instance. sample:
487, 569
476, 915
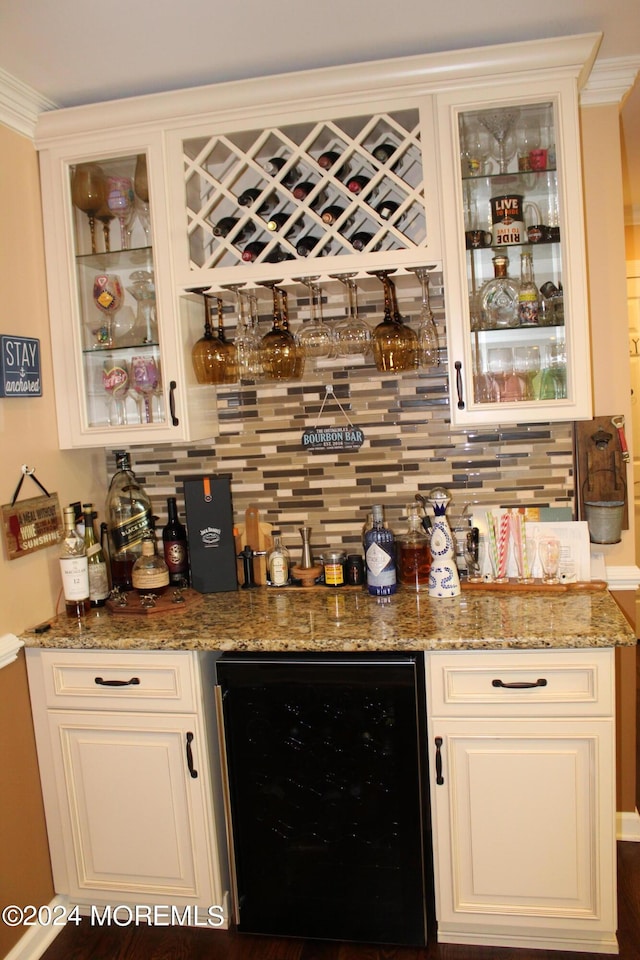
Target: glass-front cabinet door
121, 376
515, 263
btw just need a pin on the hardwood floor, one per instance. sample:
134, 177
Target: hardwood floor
185, 943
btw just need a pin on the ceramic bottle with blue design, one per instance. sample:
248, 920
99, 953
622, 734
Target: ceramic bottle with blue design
443, 576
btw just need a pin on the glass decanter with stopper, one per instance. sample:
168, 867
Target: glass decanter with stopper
499, 297
150, 573
414, 555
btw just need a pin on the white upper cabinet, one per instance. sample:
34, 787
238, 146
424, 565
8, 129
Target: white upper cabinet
351, 169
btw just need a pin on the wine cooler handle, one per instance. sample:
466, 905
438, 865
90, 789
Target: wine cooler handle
439, 777
459, 390
133, 682
519, 686
194, 773
172, 403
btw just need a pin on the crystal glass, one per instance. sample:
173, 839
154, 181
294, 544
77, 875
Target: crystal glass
474, 147
500, 368
108, 296
120, 200
352, 334
549, 555
316, 337
428, 355
395, 345
247, 341
143, 291
115, 381
500, 124
553, 383
141, 190
88, 193
526, 363
281, 356
145, 380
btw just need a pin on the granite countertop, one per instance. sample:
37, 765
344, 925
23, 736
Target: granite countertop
268, 619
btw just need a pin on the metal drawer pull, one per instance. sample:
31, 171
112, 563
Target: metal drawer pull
194, 773
439, 777
117, 683
519, 686
459, 389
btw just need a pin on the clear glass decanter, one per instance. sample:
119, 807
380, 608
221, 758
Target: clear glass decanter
499, 297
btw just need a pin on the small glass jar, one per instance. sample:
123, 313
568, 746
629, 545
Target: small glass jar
334, 568
355, 570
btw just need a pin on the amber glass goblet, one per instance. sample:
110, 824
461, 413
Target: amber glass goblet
395, 345
88, 193
280, 354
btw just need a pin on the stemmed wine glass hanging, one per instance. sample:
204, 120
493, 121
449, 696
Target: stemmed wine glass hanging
352, 334
428, 343
317, 337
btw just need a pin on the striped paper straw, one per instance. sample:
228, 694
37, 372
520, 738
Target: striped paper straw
503, 545
516, 531
493, 544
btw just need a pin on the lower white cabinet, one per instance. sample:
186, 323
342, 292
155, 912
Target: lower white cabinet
128, 761
522, 771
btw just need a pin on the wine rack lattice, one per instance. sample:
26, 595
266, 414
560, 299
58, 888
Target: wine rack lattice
305, 190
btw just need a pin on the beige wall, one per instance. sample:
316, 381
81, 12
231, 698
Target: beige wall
29, 587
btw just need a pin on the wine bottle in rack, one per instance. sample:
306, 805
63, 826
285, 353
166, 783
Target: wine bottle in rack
274, 165
358, 183
253, 250
278, 221
277, 255
383, 151
302, 189
386, 209
247, 197
328, 158
225, 226
360, 239
307, 246
331, 213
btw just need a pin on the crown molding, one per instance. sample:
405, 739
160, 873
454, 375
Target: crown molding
20, 105
610, 81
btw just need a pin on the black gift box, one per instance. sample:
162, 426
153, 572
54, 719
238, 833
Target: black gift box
212, 548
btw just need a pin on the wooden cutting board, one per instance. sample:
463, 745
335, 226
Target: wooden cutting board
258, 535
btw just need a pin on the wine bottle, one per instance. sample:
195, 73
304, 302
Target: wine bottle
274, 165
303, 189
269, 204
386, 209
278, 254
74, 568
97, 565
129, 517
253, 250
380, 556
307, 246
328, 158
150, 573
247, 197
225, 226
383, 151
357, 184
360, 239
278, 221
331, 213
174, 546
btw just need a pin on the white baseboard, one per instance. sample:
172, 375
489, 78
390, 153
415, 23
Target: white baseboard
628, 825
35, 941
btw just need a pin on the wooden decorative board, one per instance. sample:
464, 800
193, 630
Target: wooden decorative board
164, 605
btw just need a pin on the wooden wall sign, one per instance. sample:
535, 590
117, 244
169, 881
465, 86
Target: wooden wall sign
30, 525
20, 374
332, 439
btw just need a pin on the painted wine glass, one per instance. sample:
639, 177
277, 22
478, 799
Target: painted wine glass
115, 381
108, 296
120, 200
145, 380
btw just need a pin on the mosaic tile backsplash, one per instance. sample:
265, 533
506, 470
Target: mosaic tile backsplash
410, 444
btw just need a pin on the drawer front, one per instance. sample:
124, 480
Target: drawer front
515, 683
113, 680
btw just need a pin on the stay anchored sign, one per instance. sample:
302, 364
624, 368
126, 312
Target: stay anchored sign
20, 367
332, 439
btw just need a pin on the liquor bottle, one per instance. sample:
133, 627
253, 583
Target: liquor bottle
174, 545
383, 151
253, 250
379, 547
528, 296
278, 564
129, 517
98, 575
74, 568
499, 297
150, 573
303, 189
414, 556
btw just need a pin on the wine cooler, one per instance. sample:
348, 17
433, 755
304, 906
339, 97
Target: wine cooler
326, 768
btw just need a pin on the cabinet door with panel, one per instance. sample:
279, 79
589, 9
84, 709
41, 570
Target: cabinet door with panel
125, 768
122, 374
515, 268
522, 762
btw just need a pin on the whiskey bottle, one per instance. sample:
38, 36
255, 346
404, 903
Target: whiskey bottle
74, 568
174, 546
150, 573
528, 296
129, 517
97, 565
379, 551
